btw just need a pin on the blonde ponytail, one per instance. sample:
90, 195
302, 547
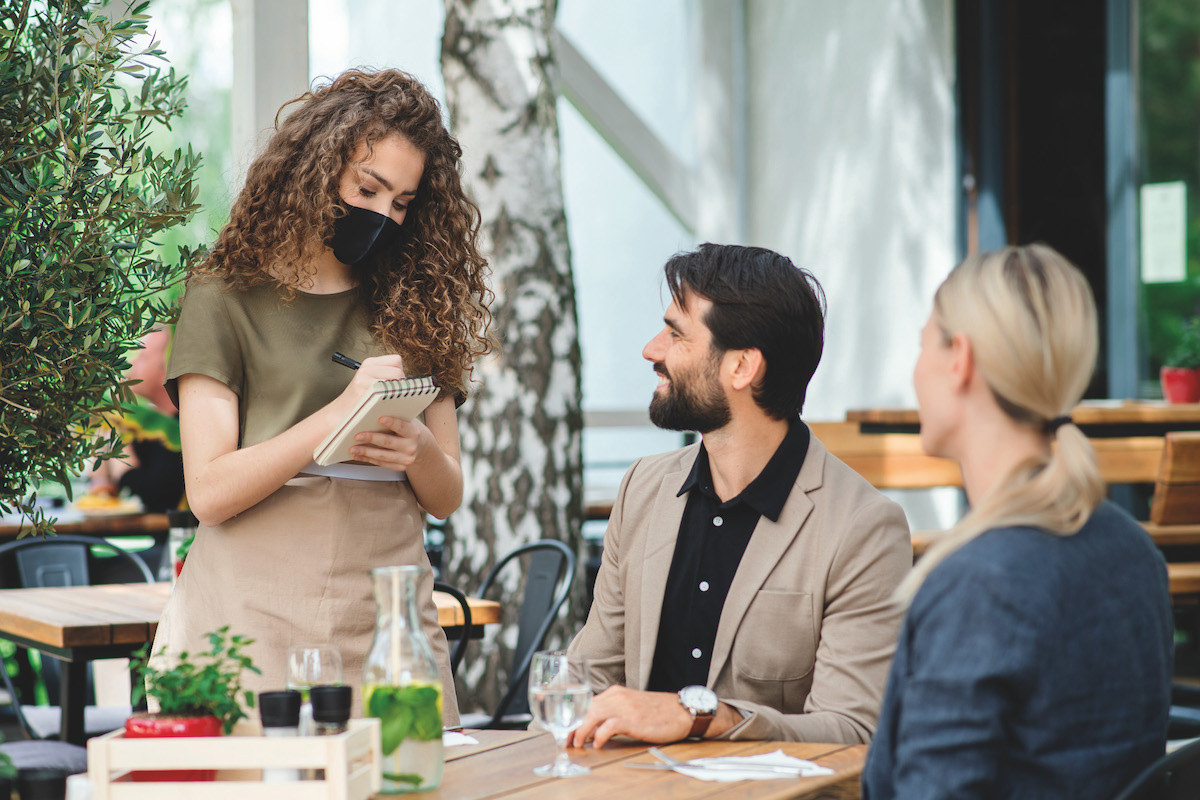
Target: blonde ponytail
1031, 320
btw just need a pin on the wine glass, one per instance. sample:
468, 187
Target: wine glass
309, 666
560, 691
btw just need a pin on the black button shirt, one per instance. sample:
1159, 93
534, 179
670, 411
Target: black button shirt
712, 539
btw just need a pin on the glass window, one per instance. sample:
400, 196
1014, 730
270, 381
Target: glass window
643, 51
1169, 121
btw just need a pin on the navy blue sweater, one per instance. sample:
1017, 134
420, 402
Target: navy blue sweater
1030, 666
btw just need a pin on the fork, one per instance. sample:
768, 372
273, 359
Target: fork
708, 763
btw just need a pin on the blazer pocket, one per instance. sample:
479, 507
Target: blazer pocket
777, 638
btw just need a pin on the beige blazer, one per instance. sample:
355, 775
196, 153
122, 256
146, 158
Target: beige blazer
808, 628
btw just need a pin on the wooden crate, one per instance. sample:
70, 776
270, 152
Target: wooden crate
352, 762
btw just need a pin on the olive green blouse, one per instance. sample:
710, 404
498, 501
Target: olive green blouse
274, 353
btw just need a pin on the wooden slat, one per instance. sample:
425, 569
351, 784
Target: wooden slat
1132, 459
1184, 577
483, 612
1177, 489
488, 740
1100, 412
507, 772
78, 616
897, 461
100, 525
1173, 535
886, 460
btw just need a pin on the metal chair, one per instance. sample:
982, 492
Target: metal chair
1175, 776
464, 632
549, 573
64, 560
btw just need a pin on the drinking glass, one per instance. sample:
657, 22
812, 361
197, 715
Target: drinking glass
560, 691
309, 666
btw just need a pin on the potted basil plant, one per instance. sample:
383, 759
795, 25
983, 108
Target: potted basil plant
198, 694
1180, 375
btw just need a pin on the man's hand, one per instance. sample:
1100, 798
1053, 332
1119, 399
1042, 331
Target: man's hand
656, 717
647, 716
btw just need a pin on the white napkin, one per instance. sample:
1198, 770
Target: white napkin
806, 769
456, 738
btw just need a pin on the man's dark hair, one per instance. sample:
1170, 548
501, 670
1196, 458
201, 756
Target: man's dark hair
762, 300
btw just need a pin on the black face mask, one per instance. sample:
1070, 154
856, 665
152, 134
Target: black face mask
361, 233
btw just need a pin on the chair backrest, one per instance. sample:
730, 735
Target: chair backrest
1177, 487
62, 560
1175, 776
460, 646
549, 573
66, 560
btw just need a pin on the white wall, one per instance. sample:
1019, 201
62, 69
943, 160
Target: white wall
851, 165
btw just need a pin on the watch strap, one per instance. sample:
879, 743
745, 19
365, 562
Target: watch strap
700, 723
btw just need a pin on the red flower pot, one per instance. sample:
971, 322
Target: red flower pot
1180, 384
152, 726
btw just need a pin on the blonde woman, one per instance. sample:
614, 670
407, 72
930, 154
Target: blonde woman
1035, 660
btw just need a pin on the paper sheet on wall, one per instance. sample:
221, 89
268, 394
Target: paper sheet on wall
1164, 232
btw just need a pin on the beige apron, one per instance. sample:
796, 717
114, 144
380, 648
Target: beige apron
295, 570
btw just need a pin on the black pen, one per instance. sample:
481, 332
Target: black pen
346, 361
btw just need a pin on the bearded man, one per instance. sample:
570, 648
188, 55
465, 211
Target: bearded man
747, 580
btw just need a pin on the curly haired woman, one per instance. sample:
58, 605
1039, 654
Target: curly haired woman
353, 235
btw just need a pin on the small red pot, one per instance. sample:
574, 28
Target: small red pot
153, 726
1180, 384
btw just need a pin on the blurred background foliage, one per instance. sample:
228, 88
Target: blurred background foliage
1169, 83
87, 198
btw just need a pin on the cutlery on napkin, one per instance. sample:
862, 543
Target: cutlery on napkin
737, 768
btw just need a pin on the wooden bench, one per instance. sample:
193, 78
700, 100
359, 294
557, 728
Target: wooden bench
1175, 509
896, 460
1177, 485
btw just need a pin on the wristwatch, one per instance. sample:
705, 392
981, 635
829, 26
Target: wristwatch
701, 702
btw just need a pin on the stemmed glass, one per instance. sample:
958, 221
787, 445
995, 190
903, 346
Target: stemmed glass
560, 690
309, 666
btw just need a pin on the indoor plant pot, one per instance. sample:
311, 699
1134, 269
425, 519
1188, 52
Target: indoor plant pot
196, 694
1180, 374
1180, 384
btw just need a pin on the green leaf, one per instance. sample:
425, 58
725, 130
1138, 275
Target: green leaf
394, 727
404, 777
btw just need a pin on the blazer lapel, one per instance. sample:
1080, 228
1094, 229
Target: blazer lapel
768, 543
661, 534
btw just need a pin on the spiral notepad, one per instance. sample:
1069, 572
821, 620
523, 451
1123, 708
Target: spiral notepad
402, 398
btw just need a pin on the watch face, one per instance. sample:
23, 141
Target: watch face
700, 699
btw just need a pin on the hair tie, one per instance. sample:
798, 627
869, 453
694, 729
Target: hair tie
1053, 425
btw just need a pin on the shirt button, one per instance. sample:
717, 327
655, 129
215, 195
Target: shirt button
704, 586
718, 521
696, 652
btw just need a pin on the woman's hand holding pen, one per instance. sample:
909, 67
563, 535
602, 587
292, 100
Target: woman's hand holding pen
378, 368
405, 441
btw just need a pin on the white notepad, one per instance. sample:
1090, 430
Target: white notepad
404, 399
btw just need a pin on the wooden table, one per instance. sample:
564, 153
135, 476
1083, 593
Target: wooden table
883, 445
102, 525
1097, 418
78, 624
501, 766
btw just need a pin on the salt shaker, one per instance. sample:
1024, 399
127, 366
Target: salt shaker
280, 712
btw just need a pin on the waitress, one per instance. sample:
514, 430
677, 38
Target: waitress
352, 234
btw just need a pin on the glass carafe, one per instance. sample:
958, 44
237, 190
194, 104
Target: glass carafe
401, 684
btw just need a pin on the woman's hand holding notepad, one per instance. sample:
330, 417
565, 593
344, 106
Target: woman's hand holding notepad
403, 399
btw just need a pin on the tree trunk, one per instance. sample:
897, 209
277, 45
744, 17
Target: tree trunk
521, 431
